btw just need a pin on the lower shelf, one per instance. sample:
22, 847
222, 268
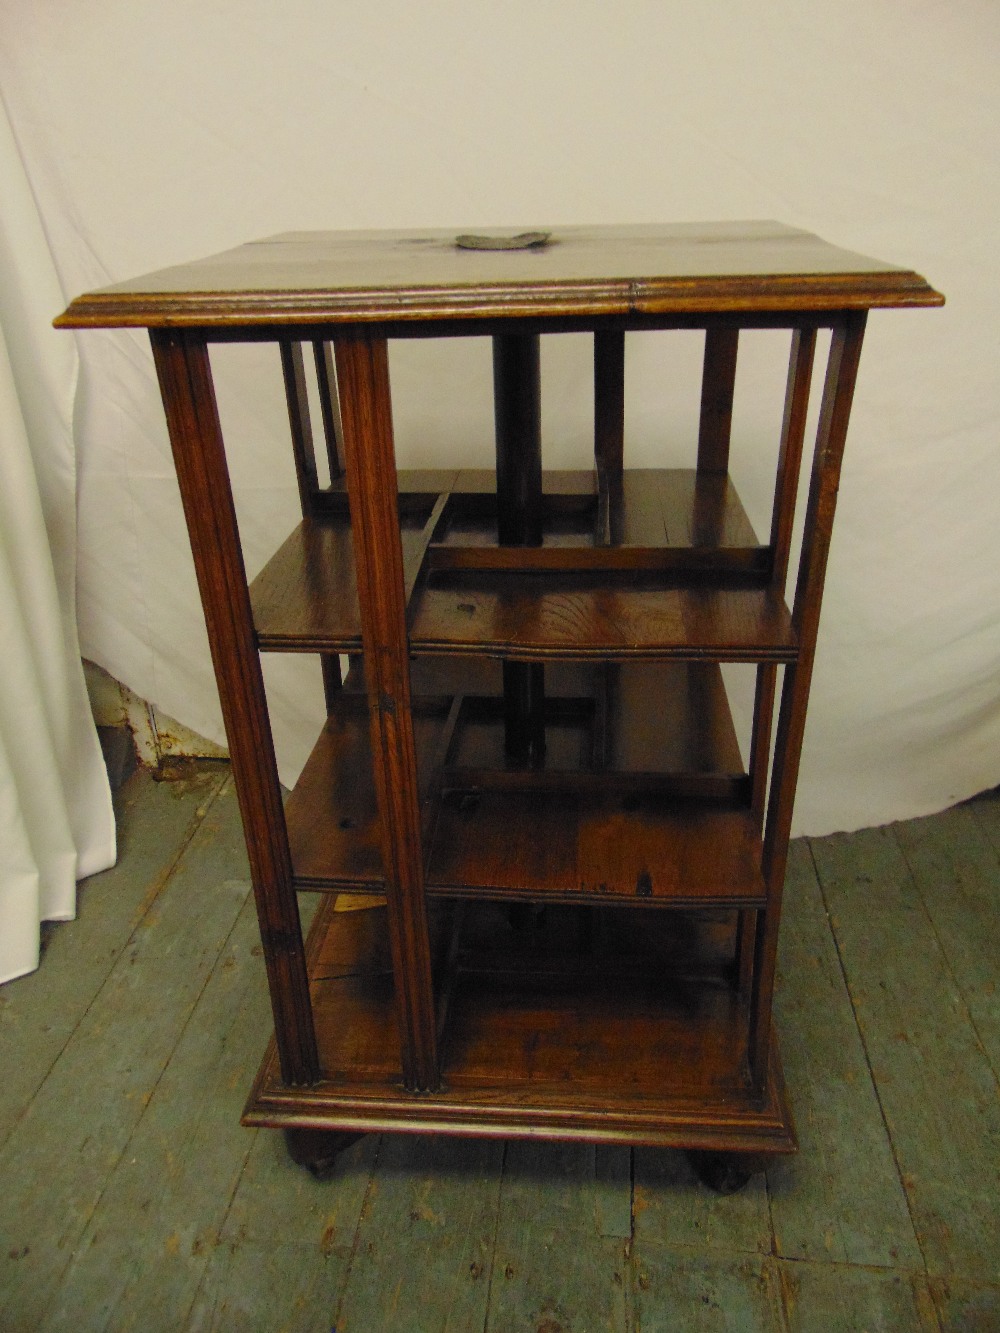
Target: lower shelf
660, 818
642, 1046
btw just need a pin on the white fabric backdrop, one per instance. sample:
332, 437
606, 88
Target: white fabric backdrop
158, 133
56, 821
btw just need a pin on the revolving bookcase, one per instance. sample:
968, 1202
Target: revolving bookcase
565, 879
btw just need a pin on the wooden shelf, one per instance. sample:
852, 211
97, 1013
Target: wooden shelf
643, 591
595, 846
641, 1040
649, 805
532, 617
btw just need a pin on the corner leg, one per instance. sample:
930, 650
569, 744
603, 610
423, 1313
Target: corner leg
725, 1172
318, 1149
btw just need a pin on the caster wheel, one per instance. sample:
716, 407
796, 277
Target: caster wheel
318, 1149
724, 1172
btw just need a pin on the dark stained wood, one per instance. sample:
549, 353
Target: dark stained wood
299, 421
304, 454
592, 618
838, 394
524, 712
645, 847
349, 277
793, 430
578, 1057
789, 461
670, 737
332, 678
517, 409
717, 384
512, 820
334, 826
305, 598
329, 400
752, 562
196, 439
363, 372
609, 432
786, 491
518, 418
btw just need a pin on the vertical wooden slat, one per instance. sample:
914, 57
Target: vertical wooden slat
793, 429
363, 372
304, 453
517, 410
718, 381
524, 712
297, 398
609, 432
185, 378
518, 421
329, 404
838, 394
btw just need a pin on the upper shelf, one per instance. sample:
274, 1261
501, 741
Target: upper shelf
582, 594
406, 277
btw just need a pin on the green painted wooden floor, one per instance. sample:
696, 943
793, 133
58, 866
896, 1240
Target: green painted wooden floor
130, 1198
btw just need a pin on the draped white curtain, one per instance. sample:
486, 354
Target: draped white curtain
56, 820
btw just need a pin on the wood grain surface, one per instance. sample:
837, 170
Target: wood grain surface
337, 277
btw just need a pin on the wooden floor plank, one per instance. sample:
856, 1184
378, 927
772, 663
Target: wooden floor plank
834, 1298
672, 1207
957, 870
839, 1199
704, 1293
552, 1271
422, 1255
261, 1287
936, 1086
58, 1159
613, 1190
182, 1162
985, 809
39, 1013
275, 1197
286, 1244
965, 1306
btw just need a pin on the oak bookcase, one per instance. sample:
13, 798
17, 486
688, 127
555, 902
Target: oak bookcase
572, 883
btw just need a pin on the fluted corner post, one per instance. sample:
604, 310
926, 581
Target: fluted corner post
185, 377
838, 395
366, 411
